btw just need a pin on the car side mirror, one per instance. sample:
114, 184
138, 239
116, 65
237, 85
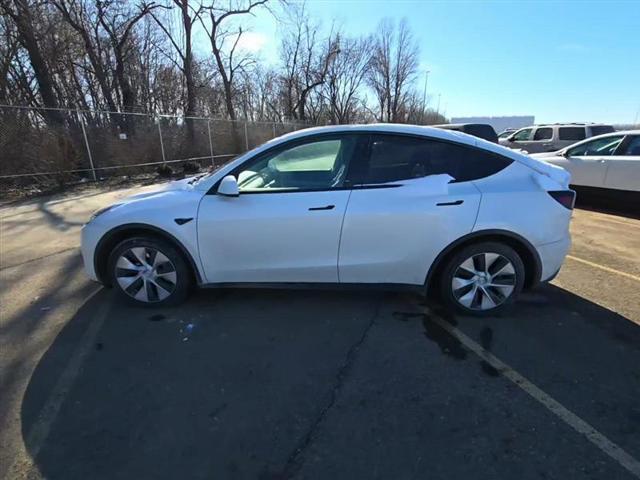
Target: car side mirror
229, 187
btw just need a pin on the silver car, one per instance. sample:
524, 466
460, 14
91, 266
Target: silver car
550, 138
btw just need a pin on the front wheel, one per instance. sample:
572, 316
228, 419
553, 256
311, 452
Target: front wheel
483, 278
148, 271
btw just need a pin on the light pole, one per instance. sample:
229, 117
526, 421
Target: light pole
438, 109
424, 93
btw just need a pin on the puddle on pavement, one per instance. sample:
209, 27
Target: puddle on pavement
486, 341
158, 317
449, 345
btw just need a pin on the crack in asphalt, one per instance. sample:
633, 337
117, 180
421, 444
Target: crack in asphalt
295, 460
5, 267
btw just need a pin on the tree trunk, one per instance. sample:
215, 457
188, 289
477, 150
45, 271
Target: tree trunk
45, 83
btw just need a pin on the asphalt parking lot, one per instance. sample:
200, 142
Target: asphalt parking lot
272, 384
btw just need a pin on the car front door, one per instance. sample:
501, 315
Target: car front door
587, 162
405, 207
542, 141
285, 224
520, 139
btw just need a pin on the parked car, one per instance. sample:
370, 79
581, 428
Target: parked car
385, 205
550, 138
506, 133
480, 130
605, 162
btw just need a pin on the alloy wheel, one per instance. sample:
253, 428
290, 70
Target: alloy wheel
146, 274
483, 281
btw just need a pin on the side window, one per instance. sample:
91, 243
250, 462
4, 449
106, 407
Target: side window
633, 147
395, 158
599, 147
544, 133
317, 164
571, 133
522, 135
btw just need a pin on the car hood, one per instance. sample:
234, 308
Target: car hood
185, 184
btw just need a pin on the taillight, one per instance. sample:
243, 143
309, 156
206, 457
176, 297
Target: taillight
566, 198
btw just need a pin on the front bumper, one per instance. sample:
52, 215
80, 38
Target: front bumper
89, 237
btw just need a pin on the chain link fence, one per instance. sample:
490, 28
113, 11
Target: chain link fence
46, 148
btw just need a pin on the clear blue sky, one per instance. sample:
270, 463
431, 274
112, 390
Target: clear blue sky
557, 60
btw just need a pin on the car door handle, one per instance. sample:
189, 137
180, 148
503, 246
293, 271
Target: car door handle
448, 204
327, 207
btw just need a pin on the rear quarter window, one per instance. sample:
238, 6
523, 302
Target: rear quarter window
571, 133
601, 130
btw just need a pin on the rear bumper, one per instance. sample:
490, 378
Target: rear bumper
552, 257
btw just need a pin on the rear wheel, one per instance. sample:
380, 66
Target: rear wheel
148, 271
483, 278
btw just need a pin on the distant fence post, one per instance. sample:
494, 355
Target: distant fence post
246, 137
86, 143
213, 163
161, 142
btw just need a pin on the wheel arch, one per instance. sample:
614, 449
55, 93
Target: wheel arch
524, 248
116, 235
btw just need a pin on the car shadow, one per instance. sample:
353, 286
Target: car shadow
227, 385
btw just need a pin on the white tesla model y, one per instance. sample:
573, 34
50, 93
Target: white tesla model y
384, 205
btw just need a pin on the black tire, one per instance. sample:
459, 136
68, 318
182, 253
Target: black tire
183, 275
453, 267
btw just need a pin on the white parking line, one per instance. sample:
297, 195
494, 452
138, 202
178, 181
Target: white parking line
606, 269
39, 431
570, 418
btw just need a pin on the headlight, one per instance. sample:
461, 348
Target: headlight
102, 210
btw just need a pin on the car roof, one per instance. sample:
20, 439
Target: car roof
420, 130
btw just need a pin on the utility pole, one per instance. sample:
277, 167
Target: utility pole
438, 109
424, 93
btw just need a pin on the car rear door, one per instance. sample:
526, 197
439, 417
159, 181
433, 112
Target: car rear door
623, 167
285, 224
404, 211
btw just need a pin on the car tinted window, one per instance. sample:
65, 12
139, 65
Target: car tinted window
393, 158
601, 130
571, 133
598, 147
316, 164
522, 135
633, 147
543, 133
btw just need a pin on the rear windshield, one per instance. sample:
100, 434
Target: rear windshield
601, 129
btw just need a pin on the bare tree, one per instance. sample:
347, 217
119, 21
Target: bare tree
345, 77
306, 58
393, 67
224, 36
118, 21
183, 47
22, 14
